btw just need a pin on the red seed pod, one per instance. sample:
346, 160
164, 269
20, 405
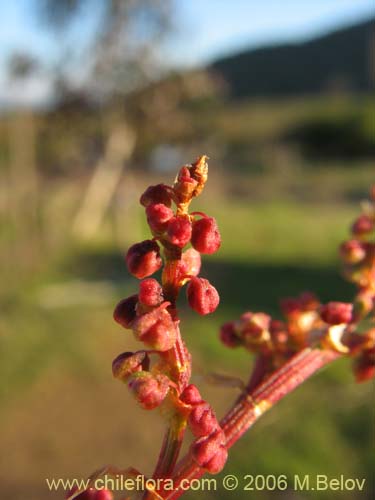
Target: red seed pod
217, 462
125, 311
179, 231
204, 449
352, 251
104, 495
149, 390
202, 420
363, 225
127, 363
150, 293
205, 236
190, 263
202, 296
335, 313
364, 366
156, 329
228, 335
143, 259
190, 395
158, 216
157, 194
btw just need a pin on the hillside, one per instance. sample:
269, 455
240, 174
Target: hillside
341, 60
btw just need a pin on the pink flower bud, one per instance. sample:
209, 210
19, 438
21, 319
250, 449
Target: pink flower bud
228, 335
149, 390
190, 263
157, 194
352, 251
128, 363
202, 296
363, 225
150, 293
125, 311
335, 313
206, 448
156, 329
143, 259
158, 216
205, 236
202, 420
104, 495
179, 231
190, 395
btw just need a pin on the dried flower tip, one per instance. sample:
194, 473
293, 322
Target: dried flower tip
128, 363
228, 335
335, 313
202, 296
157, 194
125, 311
158, 216
206, 448
202, 420
363, 225
205, 236
143, 259
352, 251
184, 186
149, 390
179, 231
191, 395
156, 329
199, 172
150, 293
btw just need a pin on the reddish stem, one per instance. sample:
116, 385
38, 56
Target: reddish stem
252, 405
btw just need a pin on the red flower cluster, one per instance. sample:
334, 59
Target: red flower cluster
152, 316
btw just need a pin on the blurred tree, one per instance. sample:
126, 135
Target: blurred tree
123, 50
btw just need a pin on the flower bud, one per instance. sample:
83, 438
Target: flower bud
179, 231
150, 293
156, 329
190, 263
205, 236
190, 395
364, 303
143, 259
202, 296
202, 420
149, 390
206, 448
128, 363
156, 194
363, 225
104, 495
158, 216
335, 313
352, 251
125, 311
228, 335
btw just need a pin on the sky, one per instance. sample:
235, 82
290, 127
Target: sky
203, 31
